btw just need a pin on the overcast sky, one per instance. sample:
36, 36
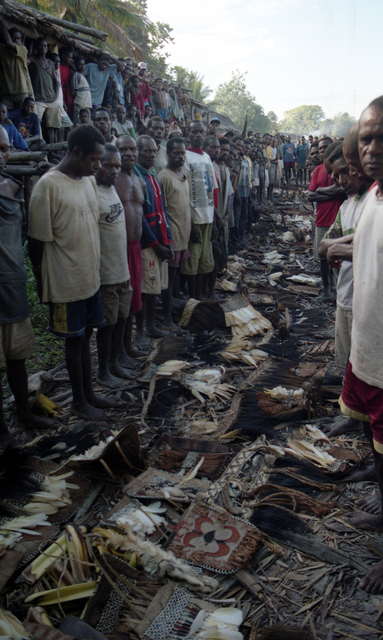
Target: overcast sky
295, 52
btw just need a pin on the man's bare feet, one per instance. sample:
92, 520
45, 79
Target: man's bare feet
345, 426
370, 503
361, 474
153, 332
104, 402
373, 580
122, 372
142, 343
110, 382
130, 362
35, 422
175, 330
87, 412
364, 521
7, 440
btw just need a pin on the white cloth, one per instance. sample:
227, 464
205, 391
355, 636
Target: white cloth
114, 257
202, 182
366, 338
350, 212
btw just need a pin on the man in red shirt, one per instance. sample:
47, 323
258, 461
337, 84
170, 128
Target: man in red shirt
328, 198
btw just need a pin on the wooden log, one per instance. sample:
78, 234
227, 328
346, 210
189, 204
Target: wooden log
40, 15
26, 156
56, 146
22, 170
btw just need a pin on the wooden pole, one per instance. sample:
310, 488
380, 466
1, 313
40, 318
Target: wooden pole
26, 156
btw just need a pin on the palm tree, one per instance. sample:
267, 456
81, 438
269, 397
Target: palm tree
113, 16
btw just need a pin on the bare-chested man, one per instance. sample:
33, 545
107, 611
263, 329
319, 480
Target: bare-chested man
130, 189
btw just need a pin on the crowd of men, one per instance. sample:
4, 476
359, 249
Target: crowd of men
149, 202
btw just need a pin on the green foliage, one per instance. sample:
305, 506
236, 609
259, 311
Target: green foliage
273, 118
338, 125
50, 350
191, 80
234, 100
302, 120
152, 41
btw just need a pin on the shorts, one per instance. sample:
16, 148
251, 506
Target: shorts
16, 341
116, 301
343, 324
201, 254
319, 235
70, 319
301, 166
289, 165
179, 258
154, 273
362, 401
135, 268
66, 121
52, 113
163, 113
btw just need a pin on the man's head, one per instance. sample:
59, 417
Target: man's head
3, 112
176, 150
147, 151
288, 139
323, 144
229, 134
103, 63
148, 111
340, 171
66, 56
167, 127
121, 114
41, 47
196, 134
101, 120
16, 36
84, 116
233, 154
370, 140
79, 62
131, 111
127, 147
142, 69
55, 59
351, 150
120, 65
5, 148
211, 147
156, 129
314, 152
159, 84
136, 81
86, 147
247, 146
214, 126
129, 66
28, 106
224, 150
109, 171
234, 171
311, 139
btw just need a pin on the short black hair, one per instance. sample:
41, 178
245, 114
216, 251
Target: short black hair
40, 40
336, 153
14, 30
327, 139
110, 148
104, 58
350, 142
331, 147
28, 99
237, 138
142, 138
195, 122
173, 142
233, 146
223, 141
78, 59
208, 140
154, 119
83, 111
85, 136
101, 109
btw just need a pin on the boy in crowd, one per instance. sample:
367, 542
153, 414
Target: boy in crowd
82, 98
27, 123
46, 87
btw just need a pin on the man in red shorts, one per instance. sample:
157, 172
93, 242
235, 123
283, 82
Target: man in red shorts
362, 395
130, 189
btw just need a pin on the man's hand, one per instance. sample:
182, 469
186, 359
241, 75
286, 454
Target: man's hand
219, 222
195, 235
162, 253
338, 252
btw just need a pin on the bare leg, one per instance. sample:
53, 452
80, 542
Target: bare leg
325, 273
105, 377
192, 286
18, 381
131, 353
116, 348
150, 317
199, 285
212, 277
167, 297
6, 440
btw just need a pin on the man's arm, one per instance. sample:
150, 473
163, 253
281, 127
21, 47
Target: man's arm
6, 37
328, 243
330, 193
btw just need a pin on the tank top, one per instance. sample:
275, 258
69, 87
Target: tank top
42, 80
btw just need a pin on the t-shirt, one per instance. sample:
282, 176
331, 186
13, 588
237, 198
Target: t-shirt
366, 338
64, 214
13, 275
124, 128
15, 138
244, 178
80, 86
302, 152
326, 211
161, 159
345, 223
98, 80
43, 81
176, 195
114, 258
288, 152
14, 70
202, 182
27, 126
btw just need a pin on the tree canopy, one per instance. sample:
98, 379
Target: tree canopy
338, 125
234, 100
303, 119
191, 80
